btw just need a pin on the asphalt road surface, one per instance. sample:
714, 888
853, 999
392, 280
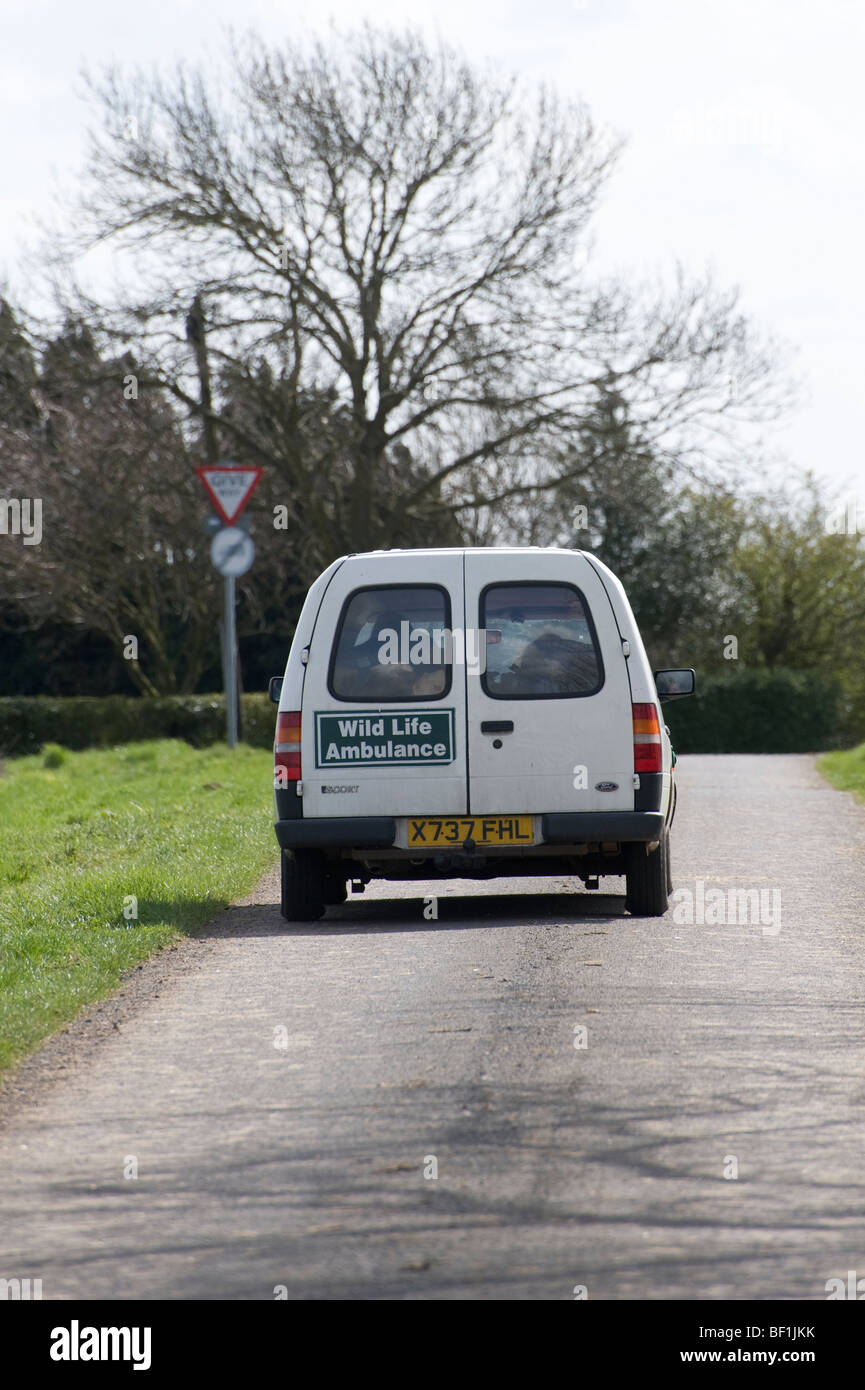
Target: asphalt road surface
384, 1106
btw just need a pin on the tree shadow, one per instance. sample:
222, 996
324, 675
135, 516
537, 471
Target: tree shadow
336, 1204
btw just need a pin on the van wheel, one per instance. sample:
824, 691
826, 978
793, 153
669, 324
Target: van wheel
669, 870
302, 885
335, 889
647, 879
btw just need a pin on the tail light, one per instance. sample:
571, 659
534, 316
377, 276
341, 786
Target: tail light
286, 748
647, 739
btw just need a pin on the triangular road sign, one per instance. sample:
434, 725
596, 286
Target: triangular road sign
229, 487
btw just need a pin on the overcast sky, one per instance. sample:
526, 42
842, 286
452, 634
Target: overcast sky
744, 123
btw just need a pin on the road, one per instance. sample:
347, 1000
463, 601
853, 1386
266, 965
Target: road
282, 1094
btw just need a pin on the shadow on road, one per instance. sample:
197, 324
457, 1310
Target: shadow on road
458, 912
343, 1210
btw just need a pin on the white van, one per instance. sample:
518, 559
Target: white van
471, 713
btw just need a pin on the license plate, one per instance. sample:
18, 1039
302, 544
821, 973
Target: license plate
428, 831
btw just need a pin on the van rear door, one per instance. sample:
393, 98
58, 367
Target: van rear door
549, 718
383, 729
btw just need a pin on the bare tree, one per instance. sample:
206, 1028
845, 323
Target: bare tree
116, 556
408, 232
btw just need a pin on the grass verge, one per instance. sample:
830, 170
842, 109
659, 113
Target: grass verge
110, 854
845, 770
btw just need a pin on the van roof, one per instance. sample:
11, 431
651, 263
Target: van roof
467, 550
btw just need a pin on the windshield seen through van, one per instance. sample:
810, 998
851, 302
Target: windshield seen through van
536, 642
389, 645
539, 642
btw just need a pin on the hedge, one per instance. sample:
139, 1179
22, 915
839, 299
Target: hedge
759, 711
747, 711
27, 723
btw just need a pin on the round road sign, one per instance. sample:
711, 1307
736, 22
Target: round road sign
232, 551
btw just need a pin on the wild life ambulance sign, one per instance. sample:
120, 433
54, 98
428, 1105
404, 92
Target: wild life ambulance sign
401, 738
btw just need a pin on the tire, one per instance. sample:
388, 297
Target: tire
647, 878
302, 885
335, 890
669, 827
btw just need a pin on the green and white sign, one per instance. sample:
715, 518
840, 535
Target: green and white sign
401, 738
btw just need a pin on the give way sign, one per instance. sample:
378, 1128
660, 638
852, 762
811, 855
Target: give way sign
229, 487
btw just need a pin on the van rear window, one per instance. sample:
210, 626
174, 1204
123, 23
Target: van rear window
390, 644
540, 642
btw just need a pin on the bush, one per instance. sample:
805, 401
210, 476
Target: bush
54, 755
30, 723
747, 711
759, 711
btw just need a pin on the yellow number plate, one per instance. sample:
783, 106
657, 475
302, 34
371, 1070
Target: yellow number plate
431, 831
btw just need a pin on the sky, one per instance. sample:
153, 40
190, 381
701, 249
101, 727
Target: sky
744, 153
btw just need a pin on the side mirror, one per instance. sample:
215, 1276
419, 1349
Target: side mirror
674, 685
274, 688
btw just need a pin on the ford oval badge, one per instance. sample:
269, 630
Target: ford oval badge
606, 786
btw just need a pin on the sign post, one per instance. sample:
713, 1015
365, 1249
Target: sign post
231, 663
232, 551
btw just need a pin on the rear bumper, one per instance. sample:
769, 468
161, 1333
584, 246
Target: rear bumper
349, 832
557, 828
582, 827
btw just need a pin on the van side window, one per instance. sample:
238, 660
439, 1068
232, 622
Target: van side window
392, 644
540, 642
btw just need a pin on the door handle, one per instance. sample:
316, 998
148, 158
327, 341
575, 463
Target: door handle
497, 726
